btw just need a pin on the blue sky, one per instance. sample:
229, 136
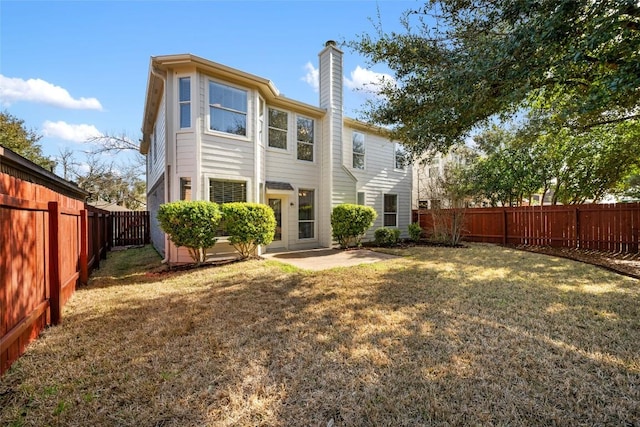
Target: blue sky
72, 69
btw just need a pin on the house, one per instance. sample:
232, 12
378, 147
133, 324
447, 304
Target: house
211, 132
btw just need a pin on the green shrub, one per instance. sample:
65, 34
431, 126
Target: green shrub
386, 236
248, 225
415, 231
190, 224
350, 222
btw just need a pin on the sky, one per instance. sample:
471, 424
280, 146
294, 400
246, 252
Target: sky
78, 69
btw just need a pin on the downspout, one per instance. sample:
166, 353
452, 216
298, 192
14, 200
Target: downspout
167, 245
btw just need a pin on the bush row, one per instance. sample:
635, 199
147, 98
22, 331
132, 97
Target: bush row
195, 225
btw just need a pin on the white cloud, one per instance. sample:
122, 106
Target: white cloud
312, 76
69, 132
366, 80
40, 91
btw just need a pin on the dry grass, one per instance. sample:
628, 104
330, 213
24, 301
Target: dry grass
477, 336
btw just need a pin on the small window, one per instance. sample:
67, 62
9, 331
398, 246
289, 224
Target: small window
401, 159
390, 210
185, 188
184, 96
305, 139
358, 150
227, 109
278, 125
361, 199
306, 214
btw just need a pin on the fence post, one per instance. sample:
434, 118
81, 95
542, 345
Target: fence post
505, 233
84, 248
577, 227
95, 231
54, 263
104, 236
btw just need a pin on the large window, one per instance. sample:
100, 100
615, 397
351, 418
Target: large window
278, 125
358, 150
390, 210
401, 158
227, 191
305, 139
227, 109
306, 214
184, 96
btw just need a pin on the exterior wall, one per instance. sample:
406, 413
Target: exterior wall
155, 198
380, 177
157, 150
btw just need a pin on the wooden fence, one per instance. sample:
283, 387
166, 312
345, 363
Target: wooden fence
130, 228
601, 227
49, 242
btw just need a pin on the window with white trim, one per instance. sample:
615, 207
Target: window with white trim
184, 99
358, 150
278, 125
221, 191
401, 158
390, 210
361, 198
227, 109
305, 138
306, 214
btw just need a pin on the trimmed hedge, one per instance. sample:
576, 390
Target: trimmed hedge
248, 225
349, 222
386, 236
415, 231
190, 224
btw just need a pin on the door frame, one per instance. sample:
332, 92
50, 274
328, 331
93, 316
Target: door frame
283, 243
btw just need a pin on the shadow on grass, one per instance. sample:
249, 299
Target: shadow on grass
438, 337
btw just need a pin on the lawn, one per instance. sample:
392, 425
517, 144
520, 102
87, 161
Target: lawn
482, 335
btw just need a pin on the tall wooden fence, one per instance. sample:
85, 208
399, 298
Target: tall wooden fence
49, 242
130, 228
605, 227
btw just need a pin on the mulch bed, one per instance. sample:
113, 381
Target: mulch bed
625, 264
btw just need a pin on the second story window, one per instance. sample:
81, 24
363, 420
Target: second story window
184, 97
227, 109
358, 150
305, 139
400, 157
278, 128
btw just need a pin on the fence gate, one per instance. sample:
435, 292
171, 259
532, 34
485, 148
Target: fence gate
130, 228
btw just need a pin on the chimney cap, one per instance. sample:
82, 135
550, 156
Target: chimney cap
330, 43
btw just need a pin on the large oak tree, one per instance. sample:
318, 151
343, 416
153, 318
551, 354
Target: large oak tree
462, 64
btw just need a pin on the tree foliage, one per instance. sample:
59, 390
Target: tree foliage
349, 222
191, 224
248, 226
574, 167
463, 63
22, 141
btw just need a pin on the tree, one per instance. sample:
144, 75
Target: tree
104, 181
22, 141
462, 63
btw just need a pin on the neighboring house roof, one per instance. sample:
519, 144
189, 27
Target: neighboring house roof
109, 206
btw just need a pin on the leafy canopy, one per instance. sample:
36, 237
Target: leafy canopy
463, 63
22, 141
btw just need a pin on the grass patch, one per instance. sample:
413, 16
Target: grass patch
483, 335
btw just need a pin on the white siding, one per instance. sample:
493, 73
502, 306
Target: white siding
156, 155
380, 177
